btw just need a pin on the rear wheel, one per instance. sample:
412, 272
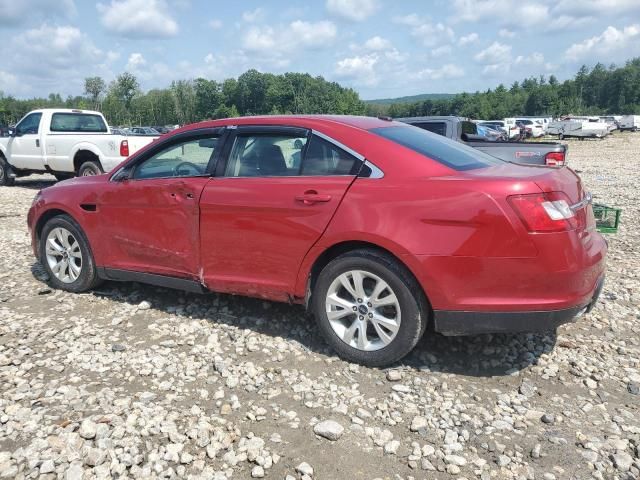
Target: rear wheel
5, 179
365, 307
89, 168
66, 255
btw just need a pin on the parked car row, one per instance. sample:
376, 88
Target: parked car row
380, 228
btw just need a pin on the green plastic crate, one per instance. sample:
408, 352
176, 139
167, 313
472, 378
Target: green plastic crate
607, 218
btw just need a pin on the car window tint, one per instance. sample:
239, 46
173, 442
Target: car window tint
266, 155
441, 149
185, 159
77, 122
29, 124
324, 158
436, 127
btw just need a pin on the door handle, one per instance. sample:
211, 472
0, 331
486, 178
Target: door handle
37, 142
310, 197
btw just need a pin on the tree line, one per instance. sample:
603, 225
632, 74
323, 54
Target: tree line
186, 101
599, 90
596, 91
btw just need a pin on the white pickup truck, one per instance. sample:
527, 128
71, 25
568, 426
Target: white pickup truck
65, 143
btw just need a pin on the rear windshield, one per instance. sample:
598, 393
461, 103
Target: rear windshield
452, 154
77, 122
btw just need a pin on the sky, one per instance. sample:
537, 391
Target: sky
380, 48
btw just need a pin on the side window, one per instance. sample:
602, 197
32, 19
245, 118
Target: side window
185, 159
266, 155
469, 128
323, 158
29, 124
436, 127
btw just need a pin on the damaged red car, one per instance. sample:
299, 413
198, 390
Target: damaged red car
380, 228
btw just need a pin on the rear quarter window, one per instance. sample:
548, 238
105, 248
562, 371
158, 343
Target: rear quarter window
454, 155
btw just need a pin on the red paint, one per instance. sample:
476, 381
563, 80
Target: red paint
455, 230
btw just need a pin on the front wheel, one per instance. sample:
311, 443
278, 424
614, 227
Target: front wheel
66, 255
369, 308
5, 179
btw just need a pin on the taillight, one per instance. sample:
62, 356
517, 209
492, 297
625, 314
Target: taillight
545, 212
124, 148
554, 159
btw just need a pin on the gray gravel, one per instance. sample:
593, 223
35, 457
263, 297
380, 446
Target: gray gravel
133, 381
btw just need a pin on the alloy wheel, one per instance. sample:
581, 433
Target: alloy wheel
363, 310
63, 255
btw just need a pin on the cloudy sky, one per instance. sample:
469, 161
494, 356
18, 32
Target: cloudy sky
381, 48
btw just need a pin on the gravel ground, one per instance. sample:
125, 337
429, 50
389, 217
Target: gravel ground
132, 381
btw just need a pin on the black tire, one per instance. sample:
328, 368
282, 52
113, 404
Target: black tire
90, 168
5, 179
62, 176
88, 277
413, 305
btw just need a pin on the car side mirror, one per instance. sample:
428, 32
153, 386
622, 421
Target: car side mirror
123, 175
12, 132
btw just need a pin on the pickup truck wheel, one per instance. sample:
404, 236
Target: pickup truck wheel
5, 179
66, 255
366, 309
89, 168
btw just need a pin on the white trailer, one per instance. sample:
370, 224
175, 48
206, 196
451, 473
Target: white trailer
630, 122
578, 128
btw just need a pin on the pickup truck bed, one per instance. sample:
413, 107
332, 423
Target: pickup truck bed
463, 130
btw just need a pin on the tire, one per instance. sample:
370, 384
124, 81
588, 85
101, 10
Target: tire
374, 267
62, 176
90, 168
76, 249
5, 179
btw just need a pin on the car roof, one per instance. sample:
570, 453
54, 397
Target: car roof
307, 121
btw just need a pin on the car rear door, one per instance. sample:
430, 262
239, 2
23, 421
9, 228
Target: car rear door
149, 214
268, 204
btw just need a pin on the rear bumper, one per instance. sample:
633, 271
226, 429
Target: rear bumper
453, 323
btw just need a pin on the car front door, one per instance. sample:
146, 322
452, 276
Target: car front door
149, 215
25, 148
268, 204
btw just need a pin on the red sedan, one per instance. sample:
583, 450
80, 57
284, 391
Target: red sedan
379, 227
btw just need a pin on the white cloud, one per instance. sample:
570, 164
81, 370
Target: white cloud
215, 24
598, 7
447, 71
468, 39
494, 54
506, 33
429, 34
611, 44
535, 59
138, 18
17, 12
377, 43
9, 83
52, 58
136, 60
359, 68
513, 12
297, 35
441, 51
354, 10
253, 16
